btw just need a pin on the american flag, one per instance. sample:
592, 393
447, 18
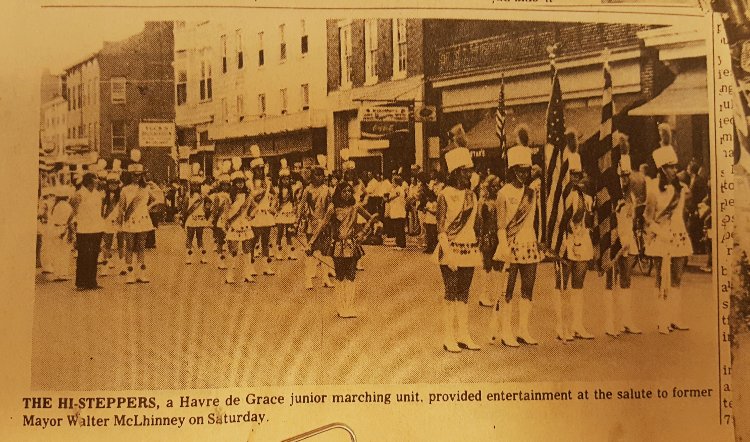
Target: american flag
500, 122
557, 177
608, 189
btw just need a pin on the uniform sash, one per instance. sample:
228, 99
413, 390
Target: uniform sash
130, 209
525, 208
669, 210
193, 207
458, 223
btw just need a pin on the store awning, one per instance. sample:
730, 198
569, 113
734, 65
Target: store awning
687, 95
309, 119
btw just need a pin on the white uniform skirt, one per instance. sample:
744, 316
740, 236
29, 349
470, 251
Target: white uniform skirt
239, 230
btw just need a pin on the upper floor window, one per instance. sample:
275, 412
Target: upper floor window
262, 105
399, 47
282, 42
303, 38
261, 55
371, 50
205, 85
284, 101
224, 54
305, 90
345, 40
240, 57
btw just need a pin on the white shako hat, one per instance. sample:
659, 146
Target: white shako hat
196, 177
135, 166
226, 167
237, 166
114, 173
664, 155
519, 156
574, 162
284, 169
625, 166
101, 171
346, 162
458, 157
255, 154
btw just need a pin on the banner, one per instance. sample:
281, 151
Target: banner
377, 122
156, 134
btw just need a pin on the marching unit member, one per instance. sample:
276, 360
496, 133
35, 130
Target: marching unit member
136, 221
667, 240
623, 262
220, 203
517, 243
578, 249
345, 243
87, 211
311, 211
261, 217
195, 212
44, 210
237, 227
286, 210
60, 233
457, 251
113, 236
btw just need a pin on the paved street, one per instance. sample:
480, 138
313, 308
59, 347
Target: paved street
187, 329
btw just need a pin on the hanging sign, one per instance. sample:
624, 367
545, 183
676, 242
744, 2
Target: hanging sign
377, 122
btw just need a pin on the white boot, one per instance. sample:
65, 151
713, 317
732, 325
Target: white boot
449, 337
493, 328
609, 314
222, 261
123, 267
280, 253
579, 331
349, 292
506, 311
626, 307
464, 337
524, 308
249, 270
291, 255
130, 279
204, 257
112, 262
141, 274
340, 301
559, 322
662, 313
327, 272
677, 323
189, 256
103, 269
309, 272
483, 284
229, 278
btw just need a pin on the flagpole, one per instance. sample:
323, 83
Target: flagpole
545, 188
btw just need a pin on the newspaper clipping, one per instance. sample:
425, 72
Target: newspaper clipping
490, 221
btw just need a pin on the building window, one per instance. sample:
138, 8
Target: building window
70, 101
80, 96
224, 54
90, 134
345, 40
399, 47
204, 85
203, 138
282, 44
371, 50
85, 93
119, 128
305, 89
240, 107
118, 90
261, 58
284, 101
181, 83
240, 58
262, 105
224, 110
96, 90
303, 38
95, 135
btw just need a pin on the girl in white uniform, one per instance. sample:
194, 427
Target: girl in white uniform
577, 248
622, 267
237, 226
113, 236
135, 198
194, 215
517, 243
667, 240
262, 216
220, 203
457, 251
60, 234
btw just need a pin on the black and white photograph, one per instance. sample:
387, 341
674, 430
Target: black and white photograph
238, 202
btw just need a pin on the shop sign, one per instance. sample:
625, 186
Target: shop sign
156, 134
377, 122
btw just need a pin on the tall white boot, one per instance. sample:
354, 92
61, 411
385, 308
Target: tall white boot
449, 336
579, 331
249, 270
130, 279
266, 266
524, 309
204, 256
189, 256
229, 277
463, 339
557, 305
280, 252
222, 258
506, 311
483, 284
326, 270
349, 292
662, 313
609, 314
291, 252
141, 274
677, 322
340, 296
493, 328
625, 297
309, 272
250, 265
